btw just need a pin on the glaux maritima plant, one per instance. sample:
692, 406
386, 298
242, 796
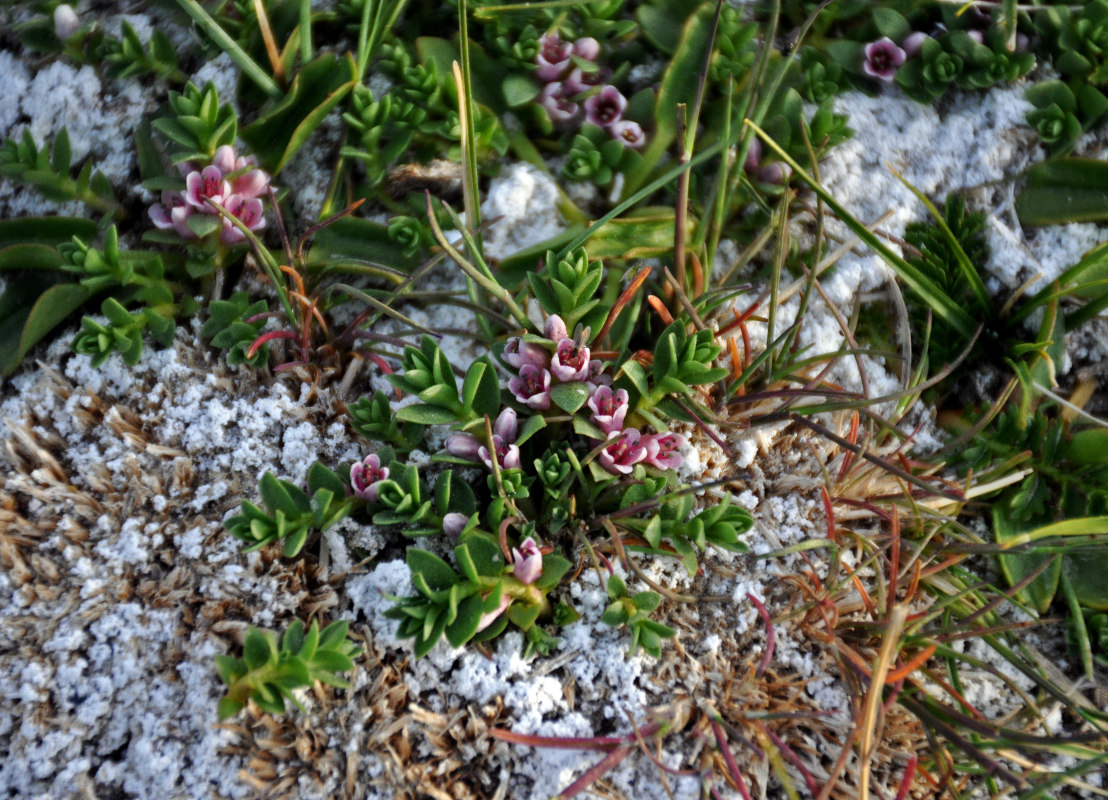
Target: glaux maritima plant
569, 445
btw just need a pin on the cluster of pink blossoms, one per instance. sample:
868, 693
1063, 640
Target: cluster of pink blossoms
565, 82
571, 362
234, 183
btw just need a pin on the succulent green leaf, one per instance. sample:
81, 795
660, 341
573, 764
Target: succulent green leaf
435, 571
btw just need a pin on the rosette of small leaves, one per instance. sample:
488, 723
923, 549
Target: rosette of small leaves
373, 418
519, 46
384, 129
926, 77
268, 674
292, 513
1080, 39
567, 287
681, 361
990, 63
453, 603
234, 324
199, 125
422, 85
429, 376
403, 498
634, 612
127, 58
594, 156
514, 482
123, 332
410, 234
48, 171
554, 470
1062, 113
395, 58
736, 46
488, 134
823, 78
109, 267
674, 523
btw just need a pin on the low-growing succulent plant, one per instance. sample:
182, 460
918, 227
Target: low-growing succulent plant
268, 674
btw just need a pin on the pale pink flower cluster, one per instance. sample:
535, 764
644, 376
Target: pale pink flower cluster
566, 83
233, 182
539, 371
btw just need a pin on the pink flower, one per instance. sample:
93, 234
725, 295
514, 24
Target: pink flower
775, 172
553, 57
587, 48
662, 449
571, 362
248, 212
503, 435
172, 213
629, 133
527, 562
753, 156
532, 387
555, 328
559, 107
597, 377
208, 184
579, 80
66, 21
365, 477
247, 181
463, 445
518, 352
609, 408
913, 43
622, 452
605, 107
454, 523
883, 58
489, 617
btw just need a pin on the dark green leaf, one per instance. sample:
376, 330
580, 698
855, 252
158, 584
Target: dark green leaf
317, 88
569, 396
434, 570
259, 648
29, 310
1065, 190
426, 415
464, 626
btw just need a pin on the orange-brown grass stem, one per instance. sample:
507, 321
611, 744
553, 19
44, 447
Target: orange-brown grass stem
621, 302
870, 708
660, 308
271, 50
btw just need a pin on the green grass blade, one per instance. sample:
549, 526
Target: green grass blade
248, 65
942, 304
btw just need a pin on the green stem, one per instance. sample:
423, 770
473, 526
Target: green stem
305, 30
248, 65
